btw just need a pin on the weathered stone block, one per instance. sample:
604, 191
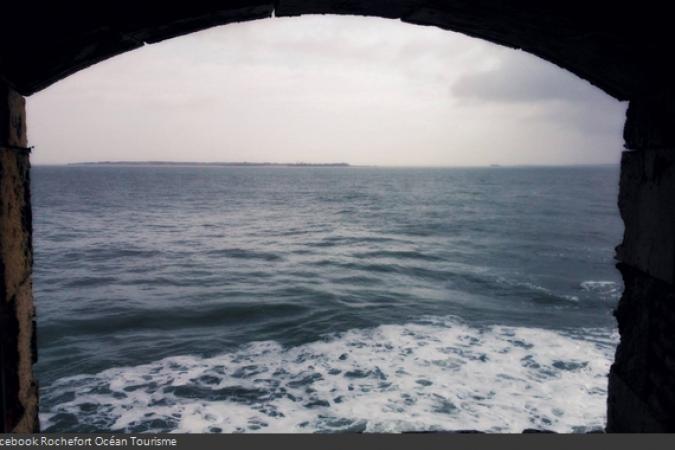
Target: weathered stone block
19, 390
647, 206
641, 383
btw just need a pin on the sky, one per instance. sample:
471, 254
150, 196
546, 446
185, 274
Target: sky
321, 89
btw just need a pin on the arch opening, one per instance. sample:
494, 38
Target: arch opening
332, 271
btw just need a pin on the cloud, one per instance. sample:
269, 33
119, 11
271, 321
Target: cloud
520, 77
541, 93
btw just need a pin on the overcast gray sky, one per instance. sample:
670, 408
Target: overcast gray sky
326, 89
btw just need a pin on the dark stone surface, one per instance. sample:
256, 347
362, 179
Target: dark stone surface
647, 206
17, 336
619, 47
650, 122
641, 383
641, 392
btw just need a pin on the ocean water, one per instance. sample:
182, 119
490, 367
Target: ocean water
272, 299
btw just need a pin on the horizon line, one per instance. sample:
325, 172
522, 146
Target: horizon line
321, 164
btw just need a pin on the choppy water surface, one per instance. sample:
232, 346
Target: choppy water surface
324, 299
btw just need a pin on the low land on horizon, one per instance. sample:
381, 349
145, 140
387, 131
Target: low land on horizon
178, 163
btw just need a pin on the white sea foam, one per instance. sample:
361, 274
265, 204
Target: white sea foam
432, 375
606, 289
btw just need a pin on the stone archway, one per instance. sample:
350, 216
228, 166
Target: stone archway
622, 50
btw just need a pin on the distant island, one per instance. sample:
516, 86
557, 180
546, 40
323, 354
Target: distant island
178, 163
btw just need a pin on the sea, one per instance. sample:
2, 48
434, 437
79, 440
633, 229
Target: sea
324, 299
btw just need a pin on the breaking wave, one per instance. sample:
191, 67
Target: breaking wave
435, 374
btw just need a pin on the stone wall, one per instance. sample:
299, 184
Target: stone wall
642, 379
18, 390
